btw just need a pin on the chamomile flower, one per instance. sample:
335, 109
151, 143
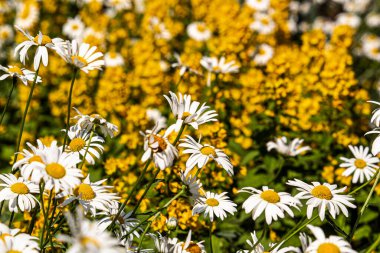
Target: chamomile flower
189, 112
74, 28
258, 5
82, 56
27, 14
349, 19
86, 236
23, 74
162, 243
188, 246
32, 162
263, 23
183, 68
60, 172
80, 143
87, 122
324, 196
159, 148
19, 243
42, 42
363, 166
19, 192
125, 222
159, 29
6, 231
218, 66
92, 196
264, 54
6, 34
198, 31
331, 244
201, 154
120, 5
113, 59
213, 204
293, 149
194, 185
375, 119
267, 201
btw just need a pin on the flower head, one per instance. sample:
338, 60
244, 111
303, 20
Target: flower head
23, 74
292, 149
198, 31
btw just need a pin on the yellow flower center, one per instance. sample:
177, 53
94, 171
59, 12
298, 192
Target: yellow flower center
270, 196
25, 11
261, 51
45, 40
360, 163
186, 114
194, 248
113, 55
77, 144
322, 192
85, 192
216, 68
35, 158
201, 28
13, 251
55, 170
75, 27
20, 188
79, 60
212, 202
207, 150
88, 240
265, 21
2, 236
162, 145
328, 248
15, 70
4, 34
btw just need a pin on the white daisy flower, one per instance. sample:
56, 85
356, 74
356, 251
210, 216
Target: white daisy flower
258, 5
189, 112
182, 67
349, 19
364, 165
218, 66
158, 147
324, 197
375, 119
19, 192
156, 116
19, 243
214, 204
162, 243
6, 34
257, 247
80, 142
272, 204
201, 154
6, 231
119, 5
21, 73
124, 221
42, 42
159, 29
32, 161
113, 59
87, 122
263, 23
74, 28
282, 146
198, 31
194, 185
188, 246
331, 244
264, 54
373, 19
86, 236
82, 56
92, 196
60, 172
27, 14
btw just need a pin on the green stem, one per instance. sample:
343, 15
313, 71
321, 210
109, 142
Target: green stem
261, 237
14, 82
88, 146
365, 184
177, 84
210, 233
374, 245
1, 206
33, 220
50, 222
143, 235
69, 107
24, 117
179, 134
295, 232
130, 194
11, 219
370, 194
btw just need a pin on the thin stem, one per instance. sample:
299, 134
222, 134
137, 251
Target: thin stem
51, 218
295, 232
370, 194
33, 220
179, 134
211, 249
374, 245
24, 117
69, 106
1, 206
11, 219
261, 237
365, 184
146, 191
130, 194
143, 235
88, 146
14, 82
